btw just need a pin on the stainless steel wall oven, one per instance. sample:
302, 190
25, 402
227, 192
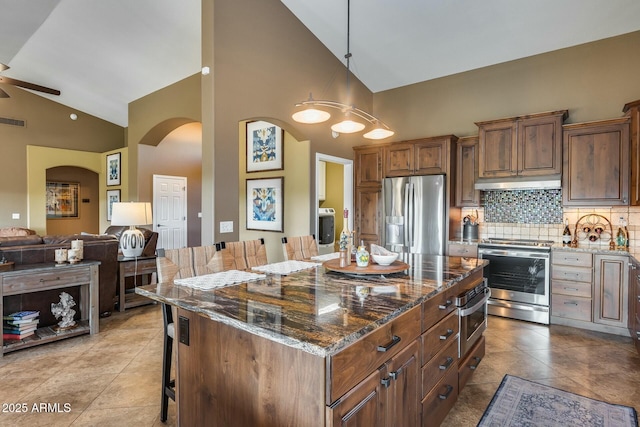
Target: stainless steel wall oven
518, 275
472, 315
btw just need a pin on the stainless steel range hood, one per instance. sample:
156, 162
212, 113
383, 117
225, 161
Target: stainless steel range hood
551, 182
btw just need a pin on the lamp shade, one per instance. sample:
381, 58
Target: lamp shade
311, 116
378, 133
131, 214
347, 126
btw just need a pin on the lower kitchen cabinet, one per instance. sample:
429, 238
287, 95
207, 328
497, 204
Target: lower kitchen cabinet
361, 406
610, 286
634, 302
590, 291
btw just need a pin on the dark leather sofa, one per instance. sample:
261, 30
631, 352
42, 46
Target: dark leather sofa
34, 249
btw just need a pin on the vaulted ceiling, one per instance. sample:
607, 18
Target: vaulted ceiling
104, 54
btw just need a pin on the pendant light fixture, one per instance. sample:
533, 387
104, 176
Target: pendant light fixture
313, 111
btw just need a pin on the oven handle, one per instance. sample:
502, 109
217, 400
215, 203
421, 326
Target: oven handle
513, 253
465, 311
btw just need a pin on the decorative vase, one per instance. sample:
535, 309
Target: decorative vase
362, 256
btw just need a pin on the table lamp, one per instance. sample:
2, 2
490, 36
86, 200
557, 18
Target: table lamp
131, 214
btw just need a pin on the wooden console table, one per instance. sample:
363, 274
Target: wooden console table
133, 267
29, 278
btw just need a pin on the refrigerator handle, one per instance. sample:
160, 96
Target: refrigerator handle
410, 213
406, 214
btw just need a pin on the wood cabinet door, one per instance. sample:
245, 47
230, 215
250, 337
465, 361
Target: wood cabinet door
497, 149
430, 157
540, 145
634, 300
596, 164
361, 406
368, 166
611, 280
467, 172
399, 160
632, 111
403, 393
367, 222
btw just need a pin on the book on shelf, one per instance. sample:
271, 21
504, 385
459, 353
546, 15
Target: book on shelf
17, 336
22, 315
8, 330
21, 323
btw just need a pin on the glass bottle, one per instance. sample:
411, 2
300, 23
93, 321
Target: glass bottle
345, 241
621, 238
566, 233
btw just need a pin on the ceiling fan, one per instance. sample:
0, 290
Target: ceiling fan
20, 83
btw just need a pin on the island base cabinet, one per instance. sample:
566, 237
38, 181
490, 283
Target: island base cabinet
361, 406
386, 398
437, 404
470, 363
228, 377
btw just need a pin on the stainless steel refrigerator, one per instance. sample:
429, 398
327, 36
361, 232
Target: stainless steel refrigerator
414, 213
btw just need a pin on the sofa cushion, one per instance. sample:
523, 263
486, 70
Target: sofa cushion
33, 239
16, 231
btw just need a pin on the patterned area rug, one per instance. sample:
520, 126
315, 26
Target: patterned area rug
523, 403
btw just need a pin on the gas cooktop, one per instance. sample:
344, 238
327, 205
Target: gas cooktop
495, 241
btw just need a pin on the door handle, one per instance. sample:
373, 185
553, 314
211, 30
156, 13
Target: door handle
161, 225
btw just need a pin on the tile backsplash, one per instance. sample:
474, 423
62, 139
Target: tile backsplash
553, 231
523, 206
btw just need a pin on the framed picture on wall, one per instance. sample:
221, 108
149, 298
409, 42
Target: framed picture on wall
265, 204
62, 200
264, 147
113, 196
113, 169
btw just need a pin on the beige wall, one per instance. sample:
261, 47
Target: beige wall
335, 194
47, 125
296, 195
592, 81
261, 68
178, 154
41, 159
88, 201
153, 117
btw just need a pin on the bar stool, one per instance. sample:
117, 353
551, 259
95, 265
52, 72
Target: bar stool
168, 384
299, 247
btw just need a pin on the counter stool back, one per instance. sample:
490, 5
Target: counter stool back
299, 247
179, 264
243, 255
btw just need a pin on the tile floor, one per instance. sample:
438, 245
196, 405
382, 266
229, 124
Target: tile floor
113, 378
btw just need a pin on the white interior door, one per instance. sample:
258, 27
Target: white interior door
170, 211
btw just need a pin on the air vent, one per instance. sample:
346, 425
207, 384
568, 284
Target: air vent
12, 122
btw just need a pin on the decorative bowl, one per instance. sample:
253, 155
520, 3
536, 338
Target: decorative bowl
384, 259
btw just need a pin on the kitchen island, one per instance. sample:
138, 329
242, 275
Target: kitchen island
320, 348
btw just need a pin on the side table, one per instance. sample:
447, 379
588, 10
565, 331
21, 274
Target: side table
27, 278
134, 267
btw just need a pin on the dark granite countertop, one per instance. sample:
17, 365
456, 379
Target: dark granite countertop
316, 310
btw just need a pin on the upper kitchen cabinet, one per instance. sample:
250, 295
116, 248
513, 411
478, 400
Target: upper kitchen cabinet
467, 172
368, 165
521, 146
426, 156
367, 223
632, 110
596, 163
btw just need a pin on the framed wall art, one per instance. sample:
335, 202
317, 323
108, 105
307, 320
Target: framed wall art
113, 196
264, 147
265, 204
113, 169
62, 200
